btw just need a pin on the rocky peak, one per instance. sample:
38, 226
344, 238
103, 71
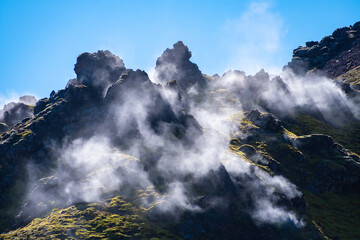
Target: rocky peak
175, 64
100, 69
179, 53
262, 75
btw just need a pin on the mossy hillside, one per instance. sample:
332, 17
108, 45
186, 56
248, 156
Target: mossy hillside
308, 170
301, 168
305, 174
348, 135
352, 77
272, 145
338, 215
115, 218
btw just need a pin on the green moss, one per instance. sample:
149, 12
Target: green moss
332, 214
115, 218
348, 135
352, 77
24, 133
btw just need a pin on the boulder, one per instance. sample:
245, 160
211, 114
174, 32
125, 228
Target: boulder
265, 121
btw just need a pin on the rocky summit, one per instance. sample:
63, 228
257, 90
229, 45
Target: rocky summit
119, 154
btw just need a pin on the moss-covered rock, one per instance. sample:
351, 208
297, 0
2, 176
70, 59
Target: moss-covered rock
114, 218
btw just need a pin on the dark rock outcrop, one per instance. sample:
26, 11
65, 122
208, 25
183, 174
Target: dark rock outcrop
334, 55
3, 127
13, 113
175, 64
100, 69
73, 112
160, 115
265, 121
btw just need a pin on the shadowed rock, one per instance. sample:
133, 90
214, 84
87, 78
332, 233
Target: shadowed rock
315, 142
265, 121
100, 69
3, 127
14, 113
175, 64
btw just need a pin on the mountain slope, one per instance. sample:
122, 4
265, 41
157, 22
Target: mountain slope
114, 155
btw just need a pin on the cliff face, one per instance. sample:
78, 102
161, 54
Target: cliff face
114, 155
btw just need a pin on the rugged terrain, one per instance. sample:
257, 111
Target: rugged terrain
184, 155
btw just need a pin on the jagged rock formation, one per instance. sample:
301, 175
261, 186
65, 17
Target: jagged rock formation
81, 111
100, 69
175, 64
333, 55
15, 112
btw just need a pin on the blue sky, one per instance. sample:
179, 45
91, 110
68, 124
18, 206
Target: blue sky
40, 40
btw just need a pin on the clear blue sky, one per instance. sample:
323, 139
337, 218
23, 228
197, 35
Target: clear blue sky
40, 40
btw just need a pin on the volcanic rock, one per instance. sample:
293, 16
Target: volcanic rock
265, 121
13, 113
175, 64
334, 55
100, 69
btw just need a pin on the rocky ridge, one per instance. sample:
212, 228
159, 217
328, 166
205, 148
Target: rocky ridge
269, 138
334, 55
